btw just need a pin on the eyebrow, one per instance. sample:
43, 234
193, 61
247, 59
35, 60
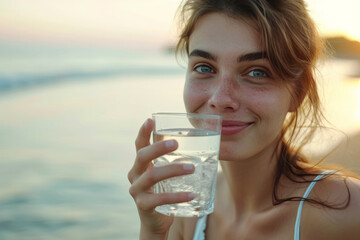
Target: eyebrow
203, 54
252, 56
243, 58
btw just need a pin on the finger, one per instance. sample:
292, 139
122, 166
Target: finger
148, 202
157, 174
147, 154
143, 137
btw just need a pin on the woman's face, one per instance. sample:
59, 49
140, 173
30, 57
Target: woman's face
229, 74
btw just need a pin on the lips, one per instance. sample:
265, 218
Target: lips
230, 127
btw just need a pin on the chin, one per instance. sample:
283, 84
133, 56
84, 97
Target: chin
226, 155
231, 153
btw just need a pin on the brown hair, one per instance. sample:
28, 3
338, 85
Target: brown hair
293, 46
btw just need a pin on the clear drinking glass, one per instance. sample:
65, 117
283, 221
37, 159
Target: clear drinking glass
198, 137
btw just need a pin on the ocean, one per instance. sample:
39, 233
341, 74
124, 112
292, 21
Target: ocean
68, 122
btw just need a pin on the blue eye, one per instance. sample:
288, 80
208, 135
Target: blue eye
204, 69
258, 74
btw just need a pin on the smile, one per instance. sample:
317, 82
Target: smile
230, 127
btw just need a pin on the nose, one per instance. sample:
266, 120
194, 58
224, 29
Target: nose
224, 95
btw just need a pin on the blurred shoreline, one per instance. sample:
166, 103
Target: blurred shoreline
342, 47
25, 66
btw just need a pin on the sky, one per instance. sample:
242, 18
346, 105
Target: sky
132, 24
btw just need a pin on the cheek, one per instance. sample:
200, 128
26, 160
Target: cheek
187, 96
194, 96
257, 100
269, 103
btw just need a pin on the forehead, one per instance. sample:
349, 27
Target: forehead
222, 34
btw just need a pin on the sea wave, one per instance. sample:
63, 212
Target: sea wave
18, 81
24, 66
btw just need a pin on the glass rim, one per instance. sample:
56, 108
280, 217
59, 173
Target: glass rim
191, 115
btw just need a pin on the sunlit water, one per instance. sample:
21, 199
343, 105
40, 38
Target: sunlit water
66, 145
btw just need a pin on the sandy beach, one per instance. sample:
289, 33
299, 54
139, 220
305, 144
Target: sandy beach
346, 154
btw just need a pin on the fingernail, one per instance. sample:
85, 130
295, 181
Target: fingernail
146, 123
188, 167
170, 143
191, 195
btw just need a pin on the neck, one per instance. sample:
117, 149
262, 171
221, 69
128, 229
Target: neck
249, 183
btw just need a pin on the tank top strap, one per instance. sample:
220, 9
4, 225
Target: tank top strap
200, 228
306, 194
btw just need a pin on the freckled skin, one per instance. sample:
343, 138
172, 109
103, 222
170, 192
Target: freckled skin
230, 91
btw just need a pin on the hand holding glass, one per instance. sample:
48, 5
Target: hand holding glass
198, 137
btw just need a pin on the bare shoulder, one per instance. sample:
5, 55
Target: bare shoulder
354, 188
352, 212
340, 219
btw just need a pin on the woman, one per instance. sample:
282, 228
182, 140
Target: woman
251, 61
